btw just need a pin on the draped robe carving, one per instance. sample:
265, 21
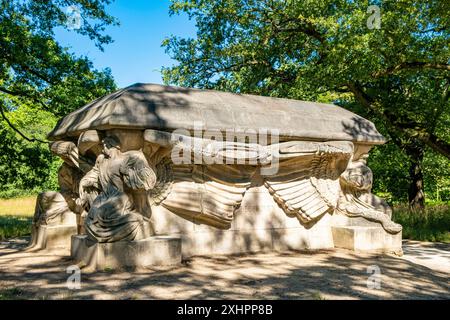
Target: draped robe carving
114, 214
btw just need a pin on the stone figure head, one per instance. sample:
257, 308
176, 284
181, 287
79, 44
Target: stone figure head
111, 145
67, 151
358, 176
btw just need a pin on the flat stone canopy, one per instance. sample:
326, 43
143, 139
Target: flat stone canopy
167, 108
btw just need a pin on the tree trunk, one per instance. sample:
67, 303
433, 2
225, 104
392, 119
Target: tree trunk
416, 195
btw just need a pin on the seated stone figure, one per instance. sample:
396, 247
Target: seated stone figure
58, 208
51, 209
356, 199
113, 192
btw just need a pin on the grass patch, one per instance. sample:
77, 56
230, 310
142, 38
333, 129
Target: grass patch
432, 224
14, 226
16, 217
11, 294
23, 207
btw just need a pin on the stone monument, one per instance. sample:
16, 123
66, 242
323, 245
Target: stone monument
54, 220
166, 172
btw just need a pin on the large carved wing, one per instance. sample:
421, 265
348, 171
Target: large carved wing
203, 193
208, 194
164, 181
307, 186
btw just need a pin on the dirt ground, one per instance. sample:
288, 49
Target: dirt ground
422, 273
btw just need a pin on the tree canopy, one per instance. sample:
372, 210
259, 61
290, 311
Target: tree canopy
396, 73
40, 81
35, 69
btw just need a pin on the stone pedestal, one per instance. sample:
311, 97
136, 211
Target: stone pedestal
152, 251
52, 237
367, 239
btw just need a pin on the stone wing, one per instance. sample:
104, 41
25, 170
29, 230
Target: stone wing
164, 181
208, 194
136, 171
308, 186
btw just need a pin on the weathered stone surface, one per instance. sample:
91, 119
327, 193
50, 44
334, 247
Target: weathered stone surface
166, 108
259, 226
367, 239
52, 237
159, 160
58, 210
152, 251
53, 222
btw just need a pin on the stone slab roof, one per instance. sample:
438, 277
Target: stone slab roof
166, 108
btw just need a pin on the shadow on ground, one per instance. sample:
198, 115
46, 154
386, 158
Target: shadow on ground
336, 274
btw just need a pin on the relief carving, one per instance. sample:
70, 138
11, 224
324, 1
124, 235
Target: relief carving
356, 199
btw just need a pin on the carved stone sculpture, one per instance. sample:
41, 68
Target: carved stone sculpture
57, 208
111, 191
212, 166
356, 184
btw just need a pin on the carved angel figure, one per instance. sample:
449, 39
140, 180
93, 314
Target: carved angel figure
58, 208
357, 200
329, 180
114, 194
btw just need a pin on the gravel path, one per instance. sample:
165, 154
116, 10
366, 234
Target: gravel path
422, 273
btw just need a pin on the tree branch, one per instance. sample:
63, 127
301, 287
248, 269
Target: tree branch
429, 139
17, 130
25, 94
411, 65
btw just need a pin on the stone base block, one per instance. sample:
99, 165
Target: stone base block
225, 242
153, 251
259, 225
367, 239
52, 237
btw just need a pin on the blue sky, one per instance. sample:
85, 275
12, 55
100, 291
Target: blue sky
136, 54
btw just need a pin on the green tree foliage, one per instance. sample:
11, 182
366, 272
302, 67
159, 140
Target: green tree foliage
41, 81
397, 75
437, 173
390, 168
35, 69
27, 166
